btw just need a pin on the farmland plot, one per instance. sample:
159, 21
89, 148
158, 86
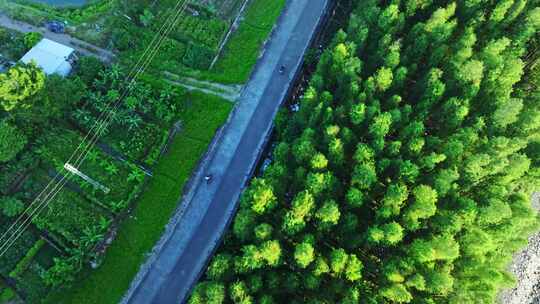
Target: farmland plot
75, 228
225, 9
71, 228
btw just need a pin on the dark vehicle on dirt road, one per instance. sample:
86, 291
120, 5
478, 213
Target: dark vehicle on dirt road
55, 26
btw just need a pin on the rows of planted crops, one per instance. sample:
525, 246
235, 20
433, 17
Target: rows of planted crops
74, 229
192, 44
128, 27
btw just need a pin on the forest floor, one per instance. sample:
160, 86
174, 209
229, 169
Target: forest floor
526, 269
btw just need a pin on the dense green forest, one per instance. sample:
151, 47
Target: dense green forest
407, 173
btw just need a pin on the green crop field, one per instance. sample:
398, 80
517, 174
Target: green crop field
70, 231
129, 26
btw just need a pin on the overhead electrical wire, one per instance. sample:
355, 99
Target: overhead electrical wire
100, 125
103, 121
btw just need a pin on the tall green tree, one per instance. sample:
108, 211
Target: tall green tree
18, 84
12, 141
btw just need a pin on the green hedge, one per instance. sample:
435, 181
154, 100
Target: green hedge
198, 57
25, 262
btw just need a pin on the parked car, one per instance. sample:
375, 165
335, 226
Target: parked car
55, 26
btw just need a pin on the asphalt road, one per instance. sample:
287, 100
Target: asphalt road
196, 230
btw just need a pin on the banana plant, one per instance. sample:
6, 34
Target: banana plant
136, 175
91, 236
104, 224
133, 122
93, 155
111, 168
131, 103
117, 206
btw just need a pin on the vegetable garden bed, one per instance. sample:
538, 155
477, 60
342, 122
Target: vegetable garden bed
70, 232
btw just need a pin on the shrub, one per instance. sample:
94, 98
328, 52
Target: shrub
7, 295
11, 207
89, 68
11, 141
25, 262
63, 271
198, 57
31, 39
5, 37
16, 252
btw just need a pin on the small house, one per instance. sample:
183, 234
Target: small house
52, 57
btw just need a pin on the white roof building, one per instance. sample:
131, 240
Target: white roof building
52, 57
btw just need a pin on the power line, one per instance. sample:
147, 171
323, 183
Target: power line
100, 125
99, 121
103, 121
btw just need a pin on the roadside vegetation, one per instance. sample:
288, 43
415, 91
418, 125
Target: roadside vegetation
407, 173
128, 27
87, 22
43, 120
242, 51
42, 123
14, 45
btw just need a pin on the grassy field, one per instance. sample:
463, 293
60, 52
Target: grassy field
137, 235
243, 49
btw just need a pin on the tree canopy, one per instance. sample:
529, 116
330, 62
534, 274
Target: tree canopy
19, 83
12, 141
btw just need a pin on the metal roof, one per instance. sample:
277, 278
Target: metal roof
51, 56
